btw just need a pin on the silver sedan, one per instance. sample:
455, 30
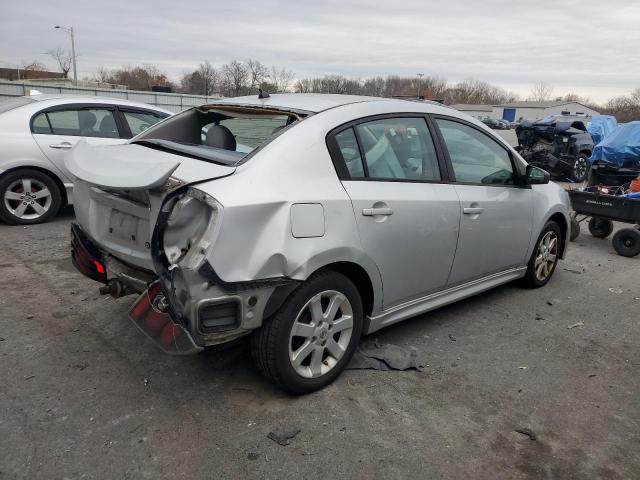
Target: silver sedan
35, 134
306, 221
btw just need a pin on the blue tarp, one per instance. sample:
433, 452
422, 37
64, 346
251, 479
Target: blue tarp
600, 126
620, 145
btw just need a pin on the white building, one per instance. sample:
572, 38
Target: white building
537, 110
527, 110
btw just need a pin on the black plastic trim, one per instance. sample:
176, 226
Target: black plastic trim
208, 272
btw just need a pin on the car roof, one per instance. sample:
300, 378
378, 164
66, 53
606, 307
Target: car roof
62, 99
308, 102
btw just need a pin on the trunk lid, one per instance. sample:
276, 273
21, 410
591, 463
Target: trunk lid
118, 192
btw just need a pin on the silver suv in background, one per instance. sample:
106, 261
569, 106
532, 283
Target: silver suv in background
306, 221
35, 134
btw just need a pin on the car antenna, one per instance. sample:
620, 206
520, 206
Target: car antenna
262, 94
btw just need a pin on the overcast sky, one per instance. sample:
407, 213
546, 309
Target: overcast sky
589, 47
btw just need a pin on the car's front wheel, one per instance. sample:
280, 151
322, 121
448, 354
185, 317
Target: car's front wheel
310, 340
28, 196
545, 256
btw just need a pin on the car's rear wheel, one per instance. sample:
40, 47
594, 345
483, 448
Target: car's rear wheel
28, 196
310, 340
600, 227
580, 169
545, 256
626, 242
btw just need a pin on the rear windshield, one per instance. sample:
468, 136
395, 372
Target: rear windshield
6, 105
217, 134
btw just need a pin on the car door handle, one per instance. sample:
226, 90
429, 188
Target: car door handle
472, 210
61, 146
370, 212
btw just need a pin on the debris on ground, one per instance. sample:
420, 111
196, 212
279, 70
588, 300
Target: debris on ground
579, 324
528, 432
539, 317
146, 381
550, 303
283, 436
29, 316
574, 270
2, 339
381, 356
523, 367
616, 290
253, 456
452, 338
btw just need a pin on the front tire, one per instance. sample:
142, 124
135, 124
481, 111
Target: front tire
28, 196
545, 256
312, 337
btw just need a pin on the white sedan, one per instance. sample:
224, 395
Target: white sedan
35, 134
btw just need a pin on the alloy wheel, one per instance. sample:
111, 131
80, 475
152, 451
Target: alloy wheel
580, 168
320, 334
546, 256
27, 198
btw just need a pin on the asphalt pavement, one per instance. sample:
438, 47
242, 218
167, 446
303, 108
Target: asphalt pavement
518, 384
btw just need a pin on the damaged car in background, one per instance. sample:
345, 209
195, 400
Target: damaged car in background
305, 221
558, 145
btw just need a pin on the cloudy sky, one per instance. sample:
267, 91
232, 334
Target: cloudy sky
588, 47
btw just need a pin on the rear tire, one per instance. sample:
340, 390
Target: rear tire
545, 256
304, 347
600, 227
28, 197
626, 242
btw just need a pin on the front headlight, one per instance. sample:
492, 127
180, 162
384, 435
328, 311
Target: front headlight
191, 226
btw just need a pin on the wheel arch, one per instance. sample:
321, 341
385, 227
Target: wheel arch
560, 219
45, 171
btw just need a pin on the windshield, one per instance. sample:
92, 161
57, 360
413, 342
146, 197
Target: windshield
7, 105
218, 134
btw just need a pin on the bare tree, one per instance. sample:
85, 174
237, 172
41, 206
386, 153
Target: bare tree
541, 92
34, 66
258, 73
136, 78
235, 79
202, 81
281, 79
63, 58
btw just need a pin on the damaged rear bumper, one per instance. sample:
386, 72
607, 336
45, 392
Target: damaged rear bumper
182, 310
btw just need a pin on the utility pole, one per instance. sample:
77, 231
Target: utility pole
420, 75
69, 30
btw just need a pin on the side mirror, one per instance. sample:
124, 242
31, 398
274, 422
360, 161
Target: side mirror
537, 176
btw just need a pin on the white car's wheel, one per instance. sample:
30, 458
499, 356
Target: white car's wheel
27, 197
310, 340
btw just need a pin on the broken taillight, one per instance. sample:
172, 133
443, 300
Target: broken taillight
86, 257
150, 314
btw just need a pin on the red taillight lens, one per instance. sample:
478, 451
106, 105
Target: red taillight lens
85, 257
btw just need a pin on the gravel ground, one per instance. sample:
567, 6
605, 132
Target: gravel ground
86, 395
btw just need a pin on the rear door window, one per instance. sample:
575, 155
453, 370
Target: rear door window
398, 149
93, 122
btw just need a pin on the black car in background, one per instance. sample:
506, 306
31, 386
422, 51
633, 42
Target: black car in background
495, 124
560, 146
